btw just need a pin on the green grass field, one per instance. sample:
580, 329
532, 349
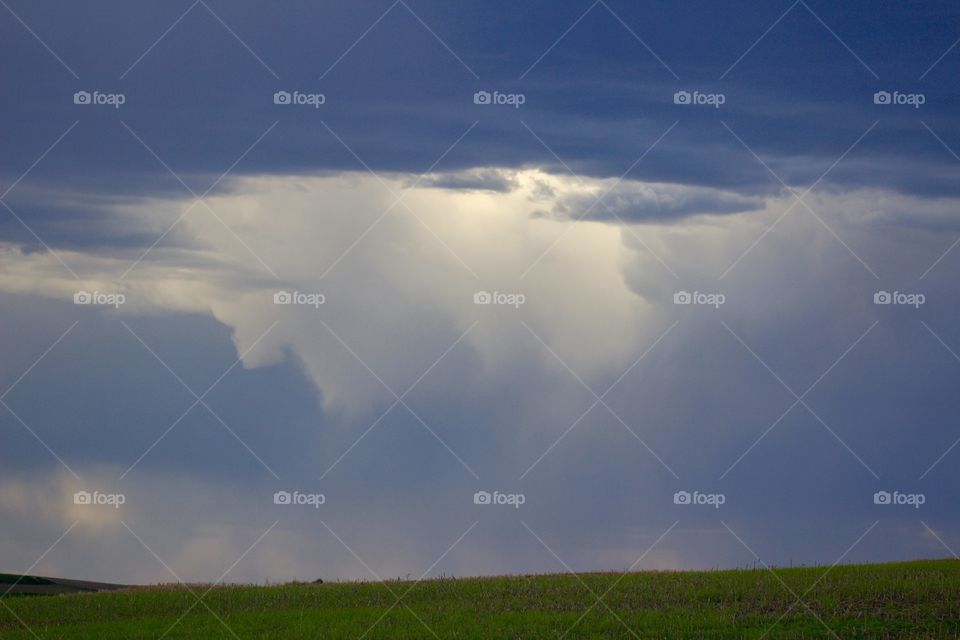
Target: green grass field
902, 600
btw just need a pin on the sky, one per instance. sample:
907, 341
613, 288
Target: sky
367, 290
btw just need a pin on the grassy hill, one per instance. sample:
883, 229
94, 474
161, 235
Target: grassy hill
13, 584
902, 600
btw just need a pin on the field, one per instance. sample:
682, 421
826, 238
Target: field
902, 600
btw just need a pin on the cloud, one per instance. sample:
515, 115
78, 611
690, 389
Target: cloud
636, 202
598, 296
474, 180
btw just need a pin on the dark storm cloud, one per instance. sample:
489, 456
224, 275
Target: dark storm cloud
596, 102
477, 180
203, 95
655, 202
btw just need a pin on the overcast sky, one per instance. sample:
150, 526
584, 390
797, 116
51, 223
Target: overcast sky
675, 283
